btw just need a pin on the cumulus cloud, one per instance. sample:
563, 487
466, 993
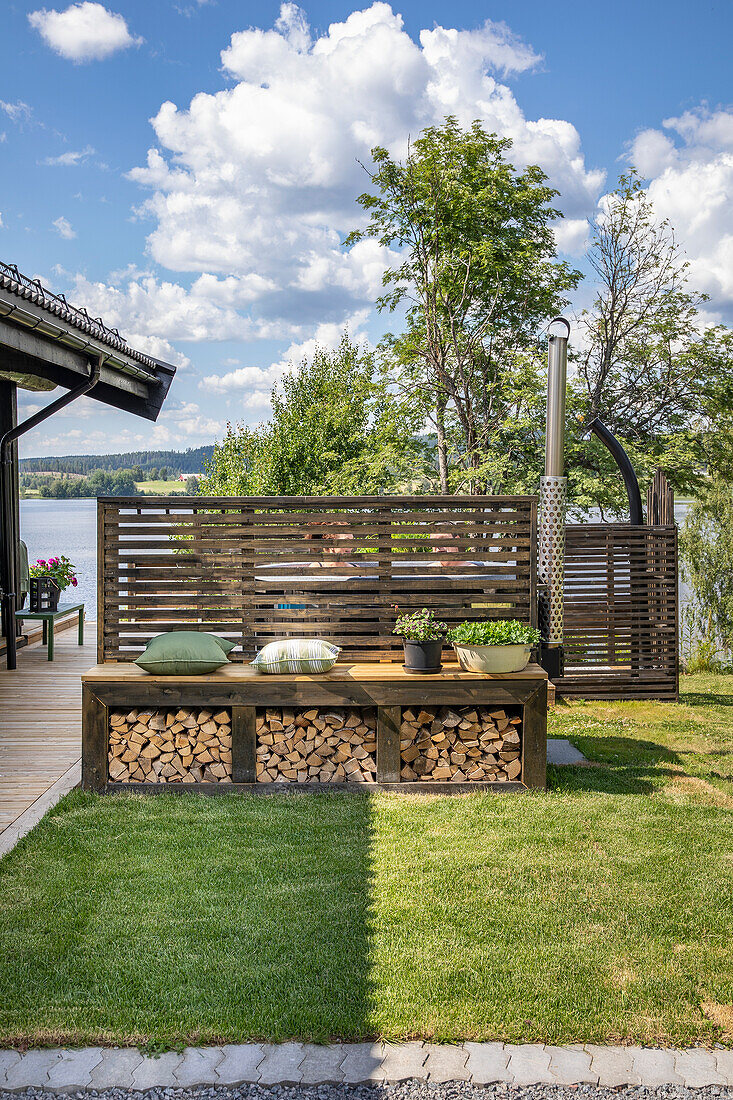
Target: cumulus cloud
260, 179
85, 31
258, 382
64, 228
689, 163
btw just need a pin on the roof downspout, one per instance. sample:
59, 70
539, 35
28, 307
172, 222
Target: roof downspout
6, 503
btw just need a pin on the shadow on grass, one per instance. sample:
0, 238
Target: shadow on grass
616, 765
176, 918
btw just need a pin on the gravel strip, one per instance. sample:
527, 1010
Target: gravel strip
407, 1090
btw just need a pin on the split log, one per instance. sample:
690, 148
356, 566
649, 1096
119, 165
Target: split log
334, 745
187, 745
460, 744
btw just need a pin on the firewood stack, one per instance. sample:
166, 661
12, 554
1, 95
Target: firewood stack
460, 744
185, 745
317, 745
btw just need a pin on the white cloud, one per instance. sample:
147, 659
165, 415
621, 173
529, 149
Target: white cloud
18, 112
85, 31
70, 159
64, 228
257, 183
258, 382
690, 167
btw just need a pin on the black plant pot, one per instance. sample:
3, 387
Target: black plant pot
422, 656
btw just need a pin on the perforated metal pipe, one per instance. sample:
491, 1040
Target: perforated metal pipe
551, 554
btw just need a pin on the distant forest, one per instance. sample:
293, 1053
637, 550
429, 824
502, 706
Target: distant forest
191, 461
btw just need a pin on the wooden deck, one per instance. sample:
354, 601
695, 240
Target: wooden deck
40, 722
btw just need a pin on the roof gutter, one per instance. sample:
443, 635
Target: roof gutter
6, 498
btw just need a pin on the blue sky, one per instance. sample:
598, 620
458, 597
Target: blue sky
211, 235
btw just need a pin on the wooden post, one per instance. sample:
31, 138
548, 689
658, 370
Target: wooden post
534, 738
388, 744
94, 741
244, 744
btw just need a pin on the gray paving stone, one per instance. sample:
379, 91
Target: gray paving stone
362, 1062
561, 751
239, 1063
322, 1064
654, 1067
613, 1065
74, 1069
445, 1063
487, 1062
401, 1061
198, 1066
32, 1068
159, 1071
8, 1058
530, 1065
281, 1064
116, 1068
570, 1065
698, 1068
724, 1063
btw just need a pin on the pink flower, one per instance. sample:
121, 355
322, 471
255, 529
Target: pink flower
74, 581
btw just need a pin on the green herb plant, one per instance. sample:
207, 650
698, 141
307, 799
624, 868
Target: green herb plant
501, 632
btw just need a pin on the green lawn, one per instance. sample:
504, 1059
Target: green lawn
600, 910
161, 488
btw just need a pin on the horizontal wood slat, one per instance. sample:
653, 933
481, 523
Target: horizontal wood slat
257, 568
620, 612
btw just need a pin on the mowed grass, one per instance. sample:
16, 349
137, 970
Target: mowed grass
600, 910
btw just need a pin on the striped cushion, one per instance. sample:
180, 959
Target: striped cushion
296, 655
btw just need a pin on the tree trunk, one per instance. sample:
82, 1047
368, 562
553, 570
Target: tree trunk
442, 446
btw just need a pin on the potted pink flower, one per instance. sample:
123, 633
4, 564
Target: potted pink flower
58, 574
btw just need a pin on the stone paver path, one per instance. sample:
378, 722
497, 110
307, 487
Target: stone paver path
309, 1064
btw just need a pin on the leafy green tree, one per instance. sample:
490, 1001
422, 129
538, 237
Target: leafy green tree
477, 278
652, 370
706, 550
335, 429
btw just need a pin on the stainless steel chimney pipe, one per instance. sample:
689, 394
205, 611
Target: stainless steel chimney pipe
551, 556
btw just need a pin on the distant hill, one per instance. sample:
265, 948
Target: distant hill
191, 461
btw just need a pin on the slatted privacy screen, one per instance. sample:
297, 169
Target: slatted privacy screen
257, 568
620, 612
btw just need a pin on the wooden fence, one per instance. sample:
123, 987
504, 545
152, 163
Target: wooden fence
621, 637
257, 568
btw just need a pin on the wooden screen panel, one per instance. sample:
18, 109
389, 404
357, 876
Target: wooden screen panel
258, 568
620, 612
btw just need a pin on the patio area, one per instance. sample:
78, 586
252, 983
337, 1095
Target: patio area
40, 731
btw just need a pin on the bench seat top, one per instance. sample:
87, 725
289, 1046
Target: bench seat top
364, 672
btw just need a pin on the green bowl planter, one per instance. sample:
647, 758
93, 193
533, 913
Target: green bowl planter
494, 648
496, 659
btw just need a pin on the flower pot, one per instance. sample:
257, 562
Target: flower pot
44, 594
422, 656
494, 659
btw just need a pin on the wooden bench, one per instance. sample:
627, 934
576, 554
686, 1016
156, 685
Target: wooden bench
239, 698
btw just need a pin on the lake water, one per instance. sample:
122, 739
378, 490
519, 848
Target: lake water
69, 527
53, 527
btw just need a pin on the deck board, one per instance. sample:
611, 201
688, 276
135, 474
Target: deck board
40, 721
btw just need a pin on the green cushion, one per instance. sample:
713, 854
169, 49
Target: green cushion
225, 644
296, 655
183, 653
